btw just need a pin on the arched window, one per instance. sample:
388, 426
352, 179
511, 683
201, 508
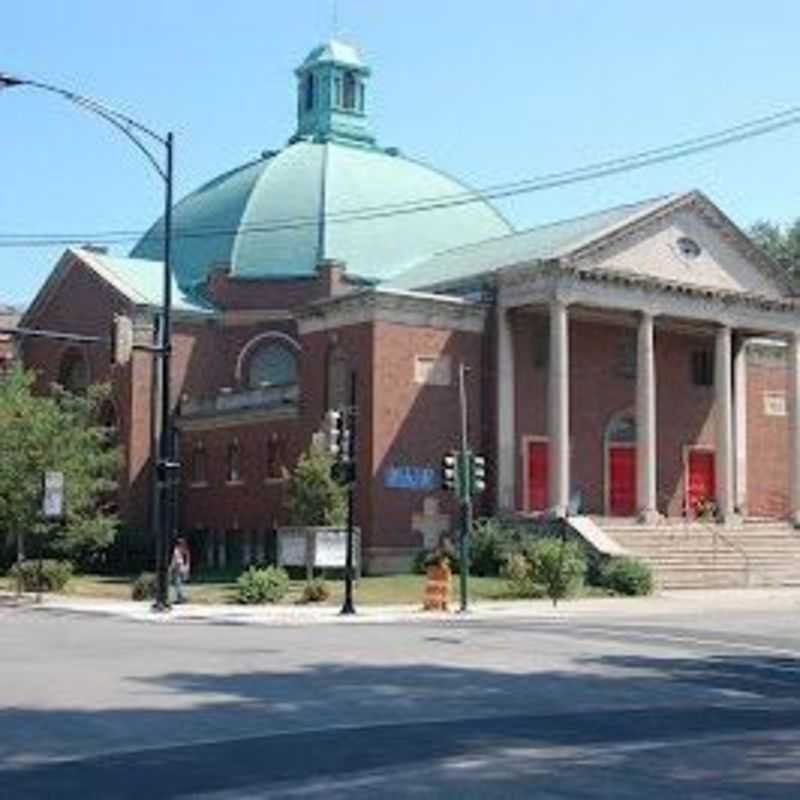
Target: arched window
308, 92
273, 363
622, 429
73, 374
350, 86
336, 381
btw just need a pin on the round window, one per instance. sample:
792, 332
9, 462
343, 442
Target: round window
688, 247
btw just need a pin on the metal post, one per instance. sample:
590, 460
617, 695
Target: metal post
348, 607
466, 496
165, 460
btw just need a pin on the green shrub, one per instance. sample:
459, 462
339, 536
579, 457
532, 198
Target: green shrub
628, 576
316, 591
518, 571
312, 497
558, 565
47, 575
268, 585
144, 587
491, 544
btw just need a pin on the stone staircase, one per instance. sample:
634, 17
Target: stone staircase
701, 555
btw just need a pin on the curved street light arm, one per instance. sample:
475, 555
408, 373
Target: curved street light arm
120, 121
164, 462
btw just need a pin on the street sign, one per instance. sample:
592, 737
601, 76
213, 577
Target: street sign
53, 495
409, 477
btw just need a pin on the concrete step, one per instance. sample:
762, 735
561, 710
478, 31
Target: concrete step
688, 556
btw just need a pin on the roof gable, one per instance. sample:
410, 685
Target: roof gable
642, 239
136, 281
655, 246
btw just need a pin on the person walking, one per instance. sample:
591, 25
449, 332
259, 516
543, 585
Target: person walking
179, 567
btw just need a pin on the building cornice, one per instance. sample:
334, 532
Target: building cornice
628, 291
415, 309
247, 316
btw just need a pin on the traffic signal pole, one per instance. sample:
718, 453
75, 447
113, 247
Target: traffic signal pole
465, 491
348, 607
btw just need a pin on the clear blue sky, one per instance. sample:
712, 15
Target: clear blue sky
488, 91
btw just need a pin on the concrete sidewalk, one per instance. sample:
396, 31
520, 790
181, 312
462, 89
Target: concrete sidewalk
688, 602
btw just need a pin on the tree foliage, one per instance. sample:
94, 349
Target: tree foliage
781, 243
58, 432
312, 496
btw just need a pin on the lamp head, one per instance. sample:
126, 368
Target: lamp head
8, 81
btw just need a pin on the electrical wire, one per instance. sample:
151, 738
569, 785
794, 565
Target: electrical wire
594, 171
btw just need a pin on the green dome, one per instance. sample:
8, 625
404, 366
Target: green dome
330, 194
280, 216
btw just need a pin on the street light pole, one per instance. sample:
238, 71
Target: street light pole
166, 466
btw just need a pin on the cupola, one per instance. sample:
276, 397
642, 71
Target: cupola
331, 96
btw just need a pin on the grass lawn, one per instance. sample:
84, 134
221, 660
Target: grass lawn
221, 588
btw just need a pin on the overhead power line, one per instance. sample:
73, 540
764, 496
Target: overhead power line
593, 171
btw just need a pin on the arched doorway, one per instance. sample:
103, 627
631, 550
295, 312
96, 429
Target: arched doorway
621, 465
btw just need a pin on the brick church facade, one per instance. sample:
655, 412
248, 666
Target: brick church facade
639, 362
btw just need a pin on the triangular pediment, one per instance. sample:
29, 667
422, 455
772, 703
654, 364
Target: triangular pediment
687, 242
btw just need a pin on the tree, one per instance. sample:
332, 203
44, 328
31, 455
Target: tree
57, 432
312, 496
782, 244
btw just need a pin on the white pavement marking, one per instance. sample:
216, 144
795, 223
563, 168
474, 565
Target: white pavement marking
694, 641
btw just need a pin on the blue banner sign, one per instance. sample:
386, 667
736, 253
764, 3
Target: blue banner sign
415, 478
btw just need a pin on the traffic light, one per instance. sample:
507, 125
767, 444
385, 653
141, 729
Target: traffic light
450, 472
477, 476
121, 335
334, 425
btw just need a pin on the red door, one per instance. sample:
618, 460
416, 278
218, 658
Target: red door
702, 485
537, 476
621, 481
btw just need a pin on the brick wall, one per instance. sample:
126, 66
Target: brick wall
767, 436
599, 390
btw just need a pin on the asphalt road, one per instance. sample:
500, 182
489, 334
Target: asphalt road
586, 706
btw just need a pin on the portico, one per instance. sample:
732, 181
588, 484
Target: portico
571, 299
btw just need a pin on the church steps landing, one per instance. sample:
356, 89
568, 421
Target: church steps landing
707, 555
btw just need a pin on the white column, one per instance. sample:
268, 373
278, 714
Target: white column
740, 424
723, 462
646, 474
794, 427
506, 449
558, 408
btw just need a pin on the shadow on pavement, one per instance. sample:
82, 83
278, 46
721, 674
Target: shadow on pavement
607, 735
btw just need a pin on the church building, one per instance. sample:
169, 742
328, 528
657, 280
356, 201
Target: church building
633, 366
